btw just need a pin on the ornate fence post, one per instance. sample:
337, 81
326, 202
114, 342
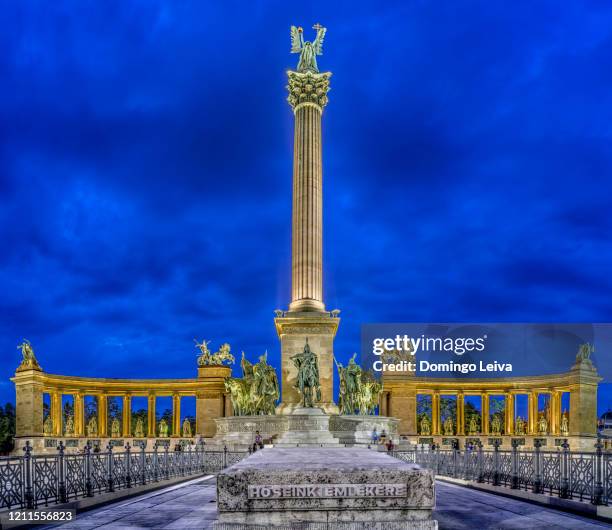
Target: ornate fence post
166, 469
128, 465
189, 461
61, 474
466, 463
455, 458
28, 491
514, 481
182, 458
224, 456
109, 468
597, 496
480, 463
537, 464
143, 464
155, 462
564, 480
87, 463
496, 462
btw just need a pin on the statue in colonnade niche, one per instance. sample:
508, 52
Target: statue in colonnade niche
69, 427
564, 424
92, 426
186, 428
473, 425
139, 429
163, 428
496, 425
542, 425
115, 428
449, 428
520, 425
48, 425
425, 426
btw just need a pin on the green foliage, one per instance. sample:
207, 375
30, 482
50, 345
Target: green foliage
448, 407
7, 428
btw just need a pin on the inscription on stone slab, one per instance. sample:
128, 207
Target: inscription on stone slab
319, 491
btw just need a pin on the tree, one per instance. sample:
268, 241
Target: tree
7, 428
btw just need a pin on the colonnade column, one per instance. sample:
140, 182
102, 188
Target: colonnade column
555, 412
484, 408
435, 413
102, 415
509, 428
55, 410
532, 412
176, 415
79, 414
460, 414
151, 423
127, 416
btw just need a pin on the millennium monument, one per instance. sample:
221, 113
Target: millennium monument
297, 405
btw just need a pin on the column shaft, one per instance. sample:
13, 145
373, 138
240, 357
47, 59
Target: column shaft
435, 413
176, 415
102, 415
307, 240
460, 414
509, 413
79, 414
151, 423
127, 416
56, 413
484, 406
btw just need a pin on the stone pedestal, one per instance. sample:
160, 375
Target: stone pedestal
324, 489
307, 427
28, 402
210, 399
320, 329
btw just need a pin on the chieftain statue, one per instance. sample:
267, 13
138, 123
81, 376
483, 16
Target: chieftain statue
496, 425
542, 424
307, 381
221, 356
520, 425
257, 391
449, 428
473, 424
359, 390
308, 50
584, 352
28, 361
69, 427
48, 426
564, 424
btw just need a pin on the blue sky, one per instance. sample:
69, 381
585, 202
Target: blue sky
145, 173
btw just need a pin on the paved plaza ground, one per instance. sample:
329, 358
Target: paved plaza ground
192, 505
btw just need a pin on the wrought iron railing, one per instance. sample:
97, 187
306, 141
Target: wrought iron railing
32, 481
562, 473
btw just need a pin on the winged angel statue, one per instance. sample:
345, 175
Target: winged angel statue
308, 50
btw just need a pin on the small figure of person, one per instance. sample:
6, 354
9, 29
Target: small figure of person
390, 445
383, 437
375, 437
258, 443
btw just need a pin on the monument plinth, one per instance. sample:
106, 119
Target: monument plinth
324, 488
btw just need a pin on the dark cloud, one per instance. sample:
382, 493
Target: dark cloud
145, 172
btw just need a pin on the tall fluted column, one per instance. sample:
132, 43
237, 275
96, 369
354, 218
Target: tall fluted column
102, 415
509, 413
151, 423
79, 414
460, 414
176, 415
435, 413
56, 413
127, 416
307, 96
484, 408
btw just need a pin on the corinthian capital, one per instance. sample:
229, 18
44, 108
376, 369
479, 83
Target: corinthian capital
308, 88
